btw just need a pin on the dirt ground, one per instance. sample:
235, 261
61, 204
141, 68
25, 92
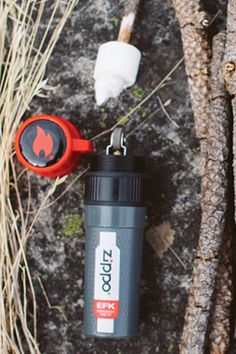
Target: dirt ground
56, 249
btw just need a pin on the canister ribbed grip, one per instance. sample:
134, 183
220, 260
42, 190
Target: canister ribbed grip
115, 180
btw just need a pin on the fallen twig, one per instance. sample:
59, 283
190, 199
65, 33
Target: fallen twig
214, 205
197, 52
219, 334
230, 77
128, 20
230, 72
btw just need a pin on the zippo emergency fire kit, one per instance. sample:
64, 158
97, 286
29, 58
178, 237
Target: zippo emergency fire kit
114, 217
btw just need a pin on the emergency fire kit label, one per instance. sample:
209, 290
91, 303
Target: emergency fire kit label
106, 282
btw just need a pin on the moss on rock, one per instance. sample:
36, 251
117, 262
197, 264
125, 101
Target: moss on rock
73, 225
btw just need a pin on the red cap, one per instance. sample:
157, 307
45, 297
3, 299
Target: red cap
50, 146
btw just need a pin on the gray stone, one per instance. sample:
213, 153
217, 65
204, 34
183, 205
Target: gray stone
174, 166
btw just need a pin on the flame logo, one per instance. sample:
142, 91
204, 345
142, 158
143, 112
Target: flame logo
42, 142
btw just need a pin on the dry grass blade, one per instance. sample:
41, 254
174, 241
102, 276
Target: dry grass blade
24, 53
141, 103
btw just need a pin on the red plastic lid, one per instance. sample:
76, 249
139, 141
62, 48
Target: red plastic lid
50, 146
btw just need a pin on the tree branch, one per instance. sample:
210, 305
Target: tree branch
220, 315
214, 206
230, 72
193, 25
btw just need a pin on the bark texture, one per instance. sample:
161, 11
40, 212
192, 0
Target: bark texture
230, 72
220, 315
222, 298
197, 51
214, 207
230, 76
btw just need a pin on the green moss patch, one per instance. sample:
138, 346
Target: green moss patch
73, 225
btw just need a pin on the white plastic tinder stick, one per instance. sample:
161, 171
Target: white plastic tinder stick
118, 61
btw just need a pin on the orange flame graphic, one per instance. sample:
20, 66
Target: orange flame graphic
43, 141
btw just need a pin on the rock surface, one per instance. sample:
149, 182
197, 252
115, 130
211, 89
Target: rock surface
56, 248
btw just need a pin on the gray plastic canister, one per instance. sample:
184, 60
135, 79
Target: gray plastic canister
114, 223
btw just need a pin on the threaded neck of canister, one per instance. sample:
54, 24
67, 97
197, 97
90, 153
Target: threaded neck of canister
117, 163
116, 180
